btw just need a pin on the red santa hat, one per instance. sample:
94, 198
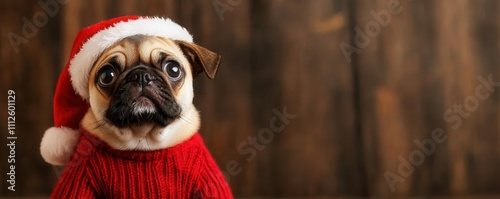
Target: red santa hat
71, 96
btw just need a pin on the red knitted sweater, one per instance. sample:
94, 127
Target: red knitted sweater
186, 170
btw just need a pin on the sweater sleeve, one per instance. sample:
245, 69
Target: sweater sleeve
211, 182
74, 183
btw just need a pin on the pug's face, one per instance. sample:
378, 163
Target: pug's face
141, 92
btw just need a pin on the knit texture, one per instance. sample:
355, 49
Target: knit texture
186, 170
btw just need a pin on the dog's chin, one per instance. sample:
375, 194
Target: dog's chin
133, 109
142, 112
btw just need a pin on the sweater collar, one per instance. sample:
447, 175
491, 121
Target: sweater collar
91, 142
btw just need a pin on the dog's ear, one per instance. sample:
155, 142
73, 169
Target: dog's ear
201, 59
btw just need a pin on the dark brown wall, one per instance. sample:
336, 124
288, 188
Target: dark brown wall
354, 120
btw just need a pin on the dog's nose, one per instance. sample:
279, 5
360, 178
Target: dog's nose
142, 77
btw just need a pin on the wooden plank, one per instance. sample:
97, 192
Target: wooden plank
400, 95
30, 72
297, 65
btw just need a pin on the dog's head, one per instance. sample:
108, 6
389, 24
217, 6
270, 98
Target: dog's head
141, 92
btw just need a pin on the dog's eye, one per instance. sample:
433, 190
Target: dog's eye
173, 69
107, 76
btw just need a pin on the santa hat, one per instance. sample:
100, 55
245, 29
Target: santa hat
71, 96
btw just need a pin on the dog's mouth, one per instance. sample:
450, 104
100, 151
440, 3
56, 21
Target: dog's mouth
142, 97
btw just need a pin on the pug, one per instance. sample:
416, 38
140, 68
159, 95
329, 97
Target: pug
140, 135
144, 84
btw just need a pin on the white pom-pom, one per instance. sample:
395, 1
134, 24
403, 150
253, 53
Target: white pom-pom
58, 144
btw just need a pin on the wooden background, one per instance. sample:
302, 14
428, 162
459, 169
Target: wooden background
353, 120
